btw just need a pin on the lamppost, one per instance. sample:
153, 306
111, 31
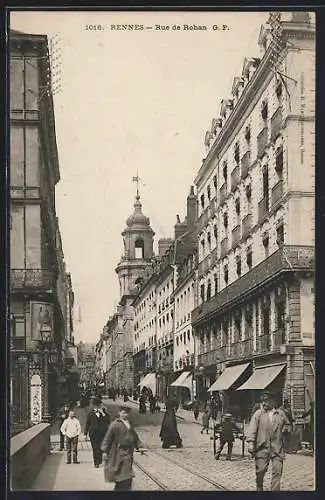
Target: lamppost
45, 344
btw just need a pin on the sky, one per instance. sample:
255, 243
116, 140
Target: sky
131, 101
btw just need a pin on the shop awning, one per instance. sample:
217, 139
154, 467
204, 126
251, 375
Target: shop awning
184, 380
228, 377
149, 381
262, 377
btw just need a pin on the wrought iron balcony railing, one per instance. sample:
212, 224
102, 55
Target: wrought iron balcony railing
32, 278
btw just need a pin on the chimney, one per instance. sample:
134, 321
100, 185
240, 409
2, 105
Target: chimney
163, 245
179, 228
192, 209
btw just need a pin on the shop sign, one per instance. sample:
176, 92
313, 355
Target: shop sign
36, 399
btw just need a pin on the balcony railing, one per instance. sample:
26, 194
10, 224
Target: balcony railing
235, 236
264, 343
235, 176
17, 344
277, 192
276, 123
223, 193
261, 142
212, 357
247, 225
245, 164
287, 258
279, 338
224, 247
32, 278
263, 208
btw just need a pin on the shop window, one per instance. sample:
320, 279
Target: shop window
280, 235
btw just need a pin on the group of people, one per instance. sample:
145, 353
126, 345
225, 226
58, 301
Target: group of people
116, 393
112, 441
145, 395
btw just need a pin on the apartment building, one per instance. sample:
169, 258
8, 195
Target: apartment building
254, 324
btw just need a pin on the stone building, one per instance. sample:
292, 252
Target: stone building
38, 319
254, 323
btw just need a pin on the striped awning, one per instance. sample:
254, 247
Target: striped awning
228, 377
184, 380
262, 377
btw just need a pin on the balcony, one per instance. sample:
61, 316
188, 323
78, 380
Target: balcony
261, 142
224, 248
247, 347
213, 357
188, 361
245, 164
21, 279
235, 177
235, 236
286, 259
263, 209
17, 344
276, 124
264, 343
277, 193
279, 338
247, 225
223, 193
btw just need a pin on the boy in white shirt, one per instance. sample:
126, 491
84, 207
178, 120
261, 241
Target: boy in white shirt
71, 429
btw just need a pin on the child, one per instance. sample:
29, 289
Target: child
205, 421
226, 435
71, 429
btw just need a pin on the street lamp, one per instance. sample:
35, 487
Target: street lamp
45, 343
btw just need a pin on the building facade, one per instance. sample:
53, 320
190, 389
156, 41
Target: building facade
256, 255
38, 319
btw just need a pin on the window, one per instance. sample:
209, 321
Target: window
225, 171
266, 186
237, 206
209, 291
209, 240
188, 335
280, 235
236, 153
237, 328
248, 134
238, 266
202, 247
249, 257
215, 183
225, 274
202, 201
209, 193
278, 88
266, 320
264, 110
266, 244
139, 249
248, 191
215, 231
279, 162
280, 315
184, 337
202, 288
215, 284
225, 220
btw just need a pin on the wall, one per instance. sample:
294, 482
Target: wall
307, 301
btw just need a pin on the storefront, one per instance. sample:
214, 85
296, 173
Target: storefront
183, 387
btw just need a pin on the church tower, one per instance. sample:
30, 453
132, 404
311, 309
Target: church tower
136, 262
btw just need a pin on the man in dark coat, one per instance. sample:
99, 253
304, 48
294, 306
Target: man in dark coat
64, 413
227, 429
118, 446
168, 433
96, 427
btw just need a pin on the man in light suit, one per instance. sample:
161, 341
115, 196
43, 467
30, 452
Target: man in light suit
265, 441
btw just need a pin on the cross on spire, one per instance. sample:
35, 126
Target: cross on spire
137, 180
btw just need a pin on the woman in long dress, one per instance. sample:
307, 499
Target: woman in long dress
168, 433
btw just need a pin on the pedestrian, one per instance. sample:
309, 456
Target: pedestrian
287, 431
196, 408
118, 446
71, 429
64, 413
125, 395
153, 403
265, 441
213, 410
97, 423
168, 432
205, 421
142, 403
227, 429
310, 422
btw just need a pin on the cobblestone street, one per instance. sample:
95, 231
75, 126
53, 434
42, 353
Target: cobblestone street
173, 469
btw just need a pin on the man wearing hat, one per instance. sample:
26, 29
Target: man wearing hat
228, 427
96, 426
265, 440
118, 446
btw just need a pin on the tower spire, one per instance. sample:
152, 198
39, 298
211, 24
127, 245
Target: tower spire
137, 179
